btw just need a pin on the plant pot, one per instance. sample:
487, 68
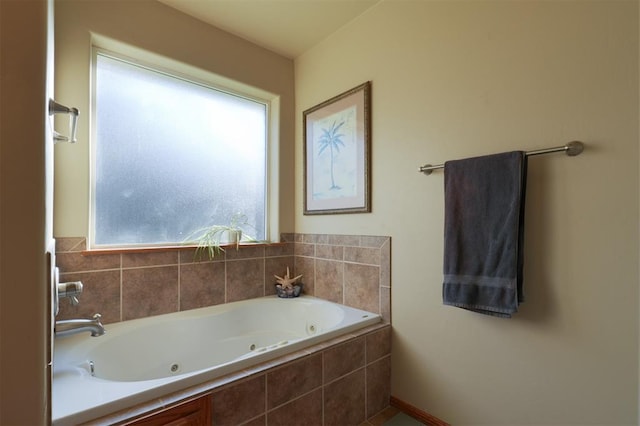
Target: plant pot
290, 292
234, 236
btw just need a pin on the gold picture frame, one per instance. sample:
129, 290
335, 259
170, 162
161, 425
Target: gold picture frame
337, 154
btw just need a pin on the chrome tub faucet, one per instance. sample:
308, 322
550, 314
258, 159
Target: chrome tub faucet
71, 291
74, 326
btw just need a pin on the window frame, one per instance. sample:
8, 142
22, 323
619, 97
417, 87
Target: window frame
176, 69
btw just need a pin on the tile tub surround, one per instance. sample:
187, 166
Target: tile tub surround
344, 381
347, 269
354, 270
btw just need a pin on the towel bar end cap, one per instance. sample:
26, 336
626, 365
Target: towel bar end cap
575, 148
426, 169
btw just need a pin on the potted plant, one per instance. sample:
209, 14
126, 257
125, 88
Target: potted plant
210, 239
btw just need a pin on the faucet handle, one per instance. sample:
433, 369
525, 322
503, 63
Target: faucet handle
97, 318
71, 290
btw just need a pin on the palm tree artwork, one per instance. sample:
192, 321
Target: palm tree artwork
332, 140
334, 153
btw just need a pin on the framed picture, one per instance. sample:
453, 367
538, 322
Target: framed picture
337, 154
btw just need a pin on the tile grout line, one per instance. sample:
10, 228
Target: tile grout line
121, 290
323, 385
179, 282
366, 377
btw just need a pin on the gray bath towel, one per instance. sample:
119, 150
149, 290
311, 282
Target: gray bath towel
484, 230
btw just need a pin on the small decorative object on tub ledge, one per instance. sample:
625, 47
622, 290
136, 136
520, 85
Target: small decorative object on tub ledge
287, 286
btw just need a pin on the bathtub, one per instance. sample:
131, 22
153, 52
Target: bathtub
138, 360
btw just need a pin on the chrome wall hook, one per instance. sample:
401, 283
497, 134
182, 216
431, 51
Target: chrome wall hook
56, 108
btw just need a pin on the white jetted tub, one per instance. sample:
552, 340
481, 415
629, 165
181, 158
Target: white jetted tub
147, 358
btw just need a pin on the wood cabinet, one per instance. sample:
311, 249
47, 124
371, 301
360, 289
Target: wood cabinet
194, 412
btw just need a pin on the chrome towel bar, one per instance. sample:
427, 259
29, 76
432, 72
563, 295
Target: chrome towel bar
571, 149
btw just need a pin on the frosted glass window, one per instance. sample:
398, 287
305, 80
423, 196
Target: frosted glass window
172, 156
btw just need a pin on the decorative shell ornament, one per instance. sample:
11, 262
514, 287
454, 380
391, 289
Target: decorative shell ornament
286, 282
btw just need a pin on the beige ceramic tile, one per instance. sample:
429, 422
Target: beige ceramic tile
343, 359
378, 344
385, 264
293, 380
372, 241
306, 266
329, 280
362, 286
245, 252
76, 262
279, 250
322, 239
239, 402
310, 238
66, 244
344, 240
288, 237
258, 421
303, 249
304, 411
245, 279
378, 386
344, 400
202, 284
325, 251
385, 304
367, 255
149, 291
134, 260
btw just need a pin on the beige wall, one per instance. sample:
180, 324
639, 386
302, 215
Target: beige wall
156, 28
458, 79
24, 84
451, 80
